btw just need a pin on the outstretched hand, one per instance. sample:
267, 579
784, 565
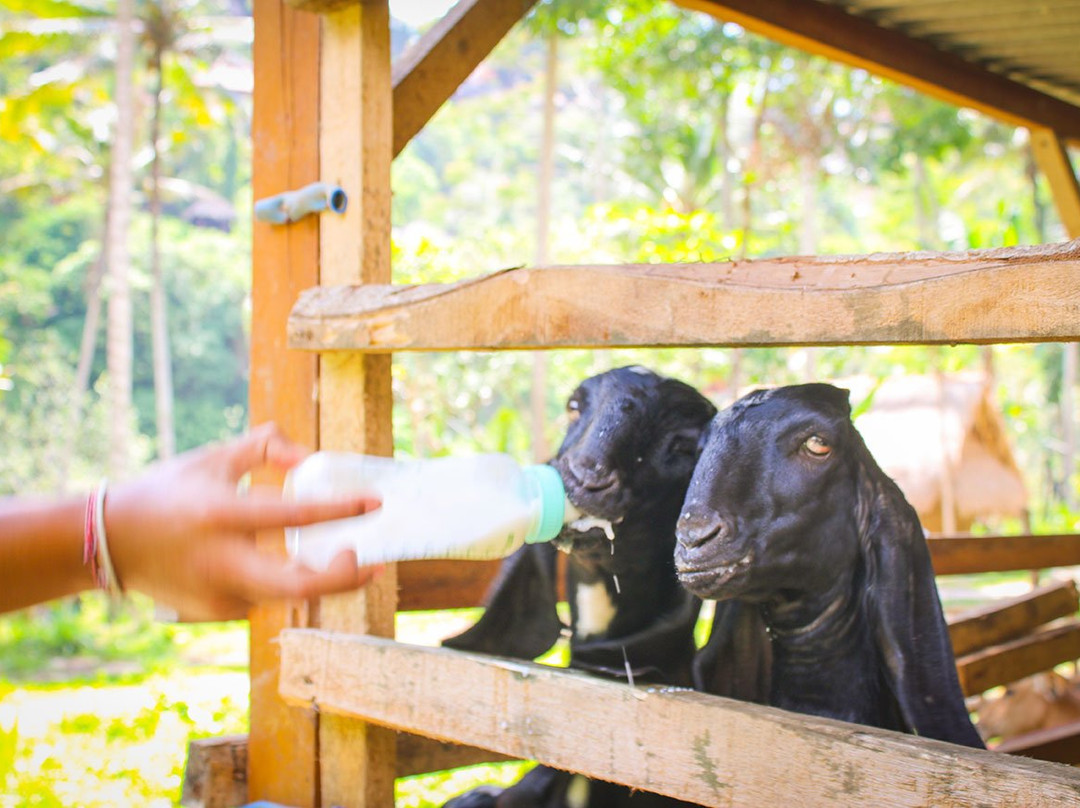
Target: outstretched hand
183, 533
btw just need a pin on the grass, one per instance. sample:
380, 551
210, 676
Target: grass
98, 704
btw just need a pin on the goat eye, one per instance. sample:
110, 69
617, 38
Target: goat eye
573, 409
817, 446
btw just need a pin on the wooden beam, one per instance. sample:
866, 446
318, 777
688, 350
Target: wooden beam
1059, 744
703, 749
965, 555
419, 755
430, 71
426, 585
1005, 620
1012, 661
357, 761
1013, 294
828, 30
285, 260
1053, 160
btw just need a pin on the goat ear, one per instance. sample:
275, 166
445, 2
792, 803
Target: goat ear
520, 619
736, 661
909, 625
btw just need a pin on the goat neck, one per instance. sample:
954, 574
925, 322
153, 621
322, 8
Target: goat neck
818, 641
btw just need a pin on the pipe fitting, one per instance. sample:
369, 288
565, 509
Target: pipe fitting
289, 206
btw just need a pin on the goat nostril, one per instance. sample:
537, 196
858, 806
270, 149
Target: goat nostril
694, 530
592, 474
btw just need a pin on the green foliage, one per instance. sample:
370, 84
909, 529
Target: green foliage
75, 637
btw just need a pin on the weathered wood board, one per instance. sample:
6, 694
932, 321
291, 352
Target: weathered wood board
1003, 295
1005, 620
705, 749
1013, 660
966, 555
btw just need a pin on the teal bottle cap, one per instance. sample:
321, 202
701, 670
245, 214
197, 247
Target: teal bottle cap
552, 495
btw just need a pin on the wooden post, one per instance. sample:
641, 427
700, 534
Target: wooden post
282, 749
1053, 160
357, 761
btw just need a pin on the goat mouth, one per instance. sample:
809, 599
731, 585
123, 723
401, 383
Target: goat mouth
586, 531
708, 579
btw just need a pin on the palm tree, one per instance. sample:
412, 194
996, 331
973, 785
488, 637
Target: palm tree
172, 32
118, 348
67, 36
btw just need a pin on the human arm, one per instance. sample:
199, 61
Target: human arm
181, 533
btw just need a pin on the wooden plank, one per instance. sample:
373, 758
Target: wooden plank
828, 30
1059, 744
1053, 160
965, 555
426, 585
1013, 294
357, 761
418, 755
704, 749
1010, 661
1005, 620
427, 74
285, 260
216, 773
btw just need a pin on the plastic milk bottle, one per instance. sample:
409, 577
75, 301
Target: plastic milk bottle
479, 507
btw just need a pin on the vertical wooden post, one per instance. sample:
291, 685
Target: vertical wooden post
282, 746
1053, 161
357, 761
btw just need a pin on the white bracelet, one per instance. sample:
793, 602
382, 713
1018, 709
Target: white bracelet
105, 564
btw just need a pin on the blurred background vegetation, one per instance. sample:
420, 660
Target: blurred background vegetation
676, 138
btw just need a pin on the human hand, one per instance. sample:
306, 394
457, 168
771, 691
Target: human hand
183, 534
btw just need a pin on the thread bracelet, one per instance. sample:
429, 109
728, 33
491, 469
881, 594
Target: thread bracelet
96, 543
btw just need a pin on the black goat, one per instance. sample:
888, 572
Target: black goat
625, 462
787, 509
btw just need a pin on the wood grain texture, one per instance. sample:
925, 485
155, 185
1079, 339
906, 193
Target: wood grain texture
1013, 660
356, 760
1002, 295
705, 749
1005, 620
967, 555
825, 29
216, 773
282, 751
432, 69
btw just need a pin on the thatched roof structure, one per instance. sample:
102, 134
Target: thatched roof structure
943, 440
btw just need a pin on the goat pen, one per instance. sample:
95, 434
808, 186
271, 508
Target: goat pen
329, 687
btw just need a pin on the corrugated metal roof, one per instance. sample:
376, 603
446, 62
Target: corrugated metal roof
1033, 42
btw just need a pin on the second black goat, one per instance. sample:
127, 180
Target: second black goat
788, 510
626, 461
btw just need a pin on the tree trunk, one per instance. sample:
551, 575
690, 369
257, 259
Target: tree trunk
1068, 421
159, 321
538, 396
753, 163
86, 359
808, 238
119, 333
